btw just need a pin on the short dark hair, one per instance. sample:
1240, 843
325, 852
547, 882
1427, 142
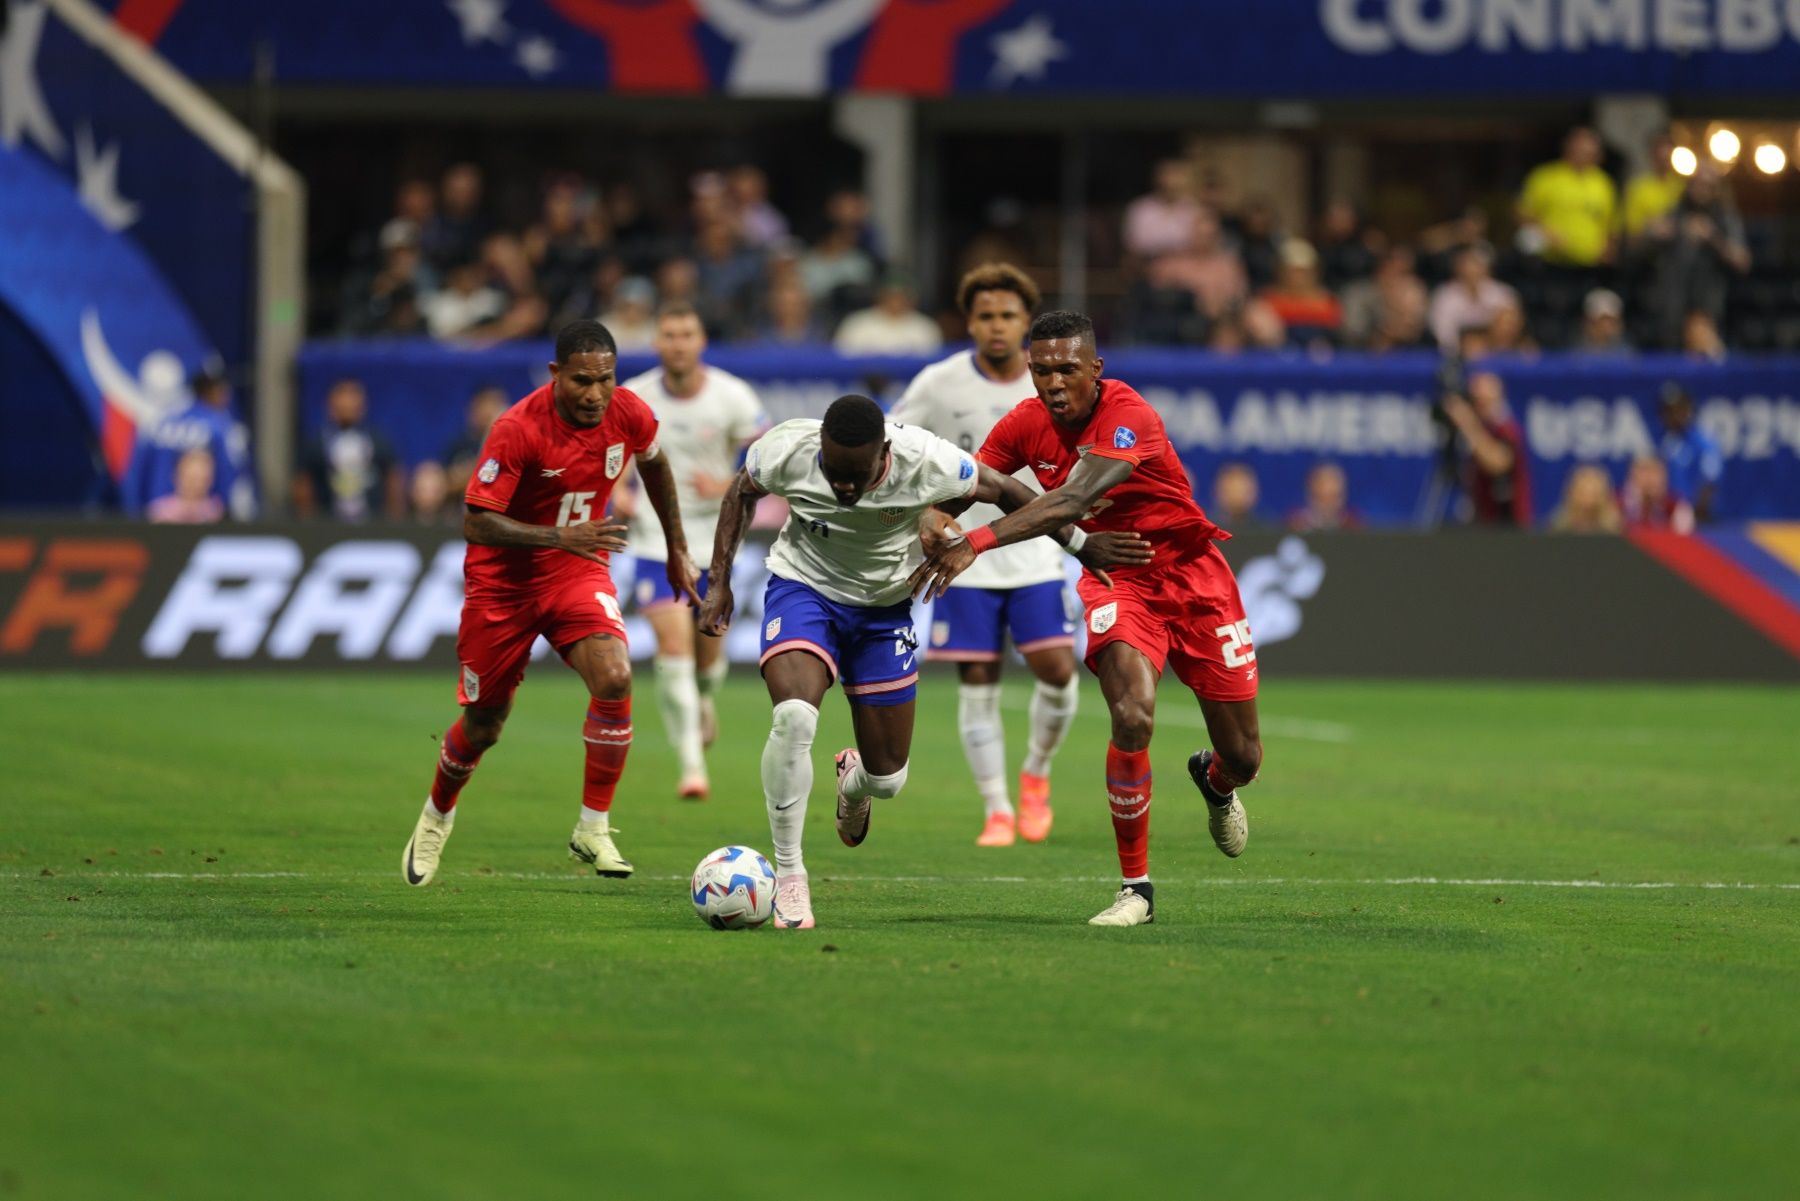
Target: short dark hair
1062, 323
854, 420
678, 308
584, 337
996, 277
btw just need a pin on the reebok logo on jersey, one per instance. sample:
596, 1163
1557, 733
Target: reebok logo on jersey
1124, 439
490, 471
1052, 468
553, 472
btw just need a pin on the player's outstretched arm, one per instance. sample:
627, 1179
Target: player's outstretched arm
735, 514
485, 527
1040, 516
659, 487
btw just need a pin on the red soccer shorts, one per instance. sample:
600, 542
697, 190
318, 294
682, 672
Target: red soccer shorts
1188, 614
495, 638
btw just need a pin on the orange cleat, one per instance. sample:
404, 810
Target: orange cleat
693, 788
999, 831
1035, 814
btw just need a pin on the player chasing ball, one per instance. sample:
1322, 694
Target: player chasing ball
1020, 588
705, 419
1101, 454
536, 565
837, 603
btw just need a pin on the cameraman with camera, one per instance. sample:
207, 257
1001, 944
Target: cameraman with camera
1481, 448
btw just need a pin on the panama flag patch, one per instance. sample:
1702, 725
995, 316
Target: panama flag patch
1103, 617
490, 471
1124, 439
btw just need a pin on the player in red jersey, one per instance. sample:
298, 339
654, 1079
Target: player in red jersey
536, 564
1100, 452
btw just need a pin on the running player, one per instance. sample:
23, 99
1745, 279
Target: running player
1020, 588
837, 604
1101, 454
536, 564
705, 418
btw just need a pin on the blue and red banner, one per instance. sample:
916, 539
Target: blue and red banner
1288, 48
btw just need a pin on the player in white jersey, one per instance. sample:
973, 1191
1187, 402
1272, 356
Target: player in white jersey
706, 418
1020, 588
837, 604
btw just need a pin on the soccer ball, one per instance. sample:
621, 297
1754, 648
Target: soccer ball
734, 889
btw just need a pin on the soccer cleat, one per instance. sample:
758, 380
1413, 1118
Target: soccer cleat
852, 816
419, 862
709, 722
694, 787
793, 903
1000, 831
595, 846
1035, 815
1225, 816
1134, 906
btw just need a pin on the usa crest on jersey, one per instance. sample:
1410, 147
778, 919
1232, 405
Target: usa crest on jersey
615, 460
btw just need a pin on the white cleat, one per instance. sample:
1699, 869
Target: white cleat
595, 846
694, 787
793, 903
852, 816
1130, 908
1229, 825
1230, 828
419, 862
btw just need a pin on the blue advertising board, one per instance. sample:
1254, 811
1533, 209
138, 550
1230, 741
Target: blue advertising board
1280, 414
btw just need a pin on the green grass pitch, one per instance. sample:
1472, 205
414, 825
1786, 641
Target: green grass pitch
1313, 1020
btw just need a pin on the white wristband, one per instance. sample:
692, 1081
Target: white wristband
1076, 541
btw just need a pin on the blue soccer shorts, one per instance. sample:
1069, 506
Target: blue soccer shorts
969, 625
871, 648
652, 591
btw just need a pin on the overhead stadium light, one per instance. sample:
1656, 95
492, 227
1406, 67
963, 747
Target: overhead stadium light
1684, 160
1724, 145
1770, 158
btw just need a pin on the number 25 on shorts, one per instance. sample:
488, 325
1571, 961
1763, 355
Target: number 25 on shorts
1235, 644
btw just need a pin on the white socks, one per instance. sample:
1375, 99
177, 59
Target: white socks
713, 675
1052, 712
787, 777
678, 696
595, 819
859, 784
984, 743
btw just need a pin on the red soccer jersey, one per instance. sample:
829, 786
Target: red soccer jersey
1156, 499
538, 469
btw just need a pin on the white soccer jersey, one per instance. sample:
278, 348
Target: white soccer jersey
857, 554
698, 434
954, 400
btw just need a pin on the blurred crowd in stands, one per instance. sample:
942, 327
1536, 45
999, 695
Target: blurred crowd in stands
1582, 265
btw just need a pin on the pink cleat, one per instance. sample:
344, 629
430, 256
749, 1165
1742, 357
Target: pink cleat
1035, 814
793, 903
999, 831
852, 816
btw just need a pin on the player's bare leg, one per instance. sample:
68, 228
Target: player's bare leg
604, 666
713, 667
467, 739
1053, 702
984, 746
1128, 682
797, 681
678, 694
1233, 761
875, 768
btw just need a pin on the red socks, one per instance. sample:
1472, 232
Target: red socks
1221, 781
1128, 792
456, 763
607, 732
